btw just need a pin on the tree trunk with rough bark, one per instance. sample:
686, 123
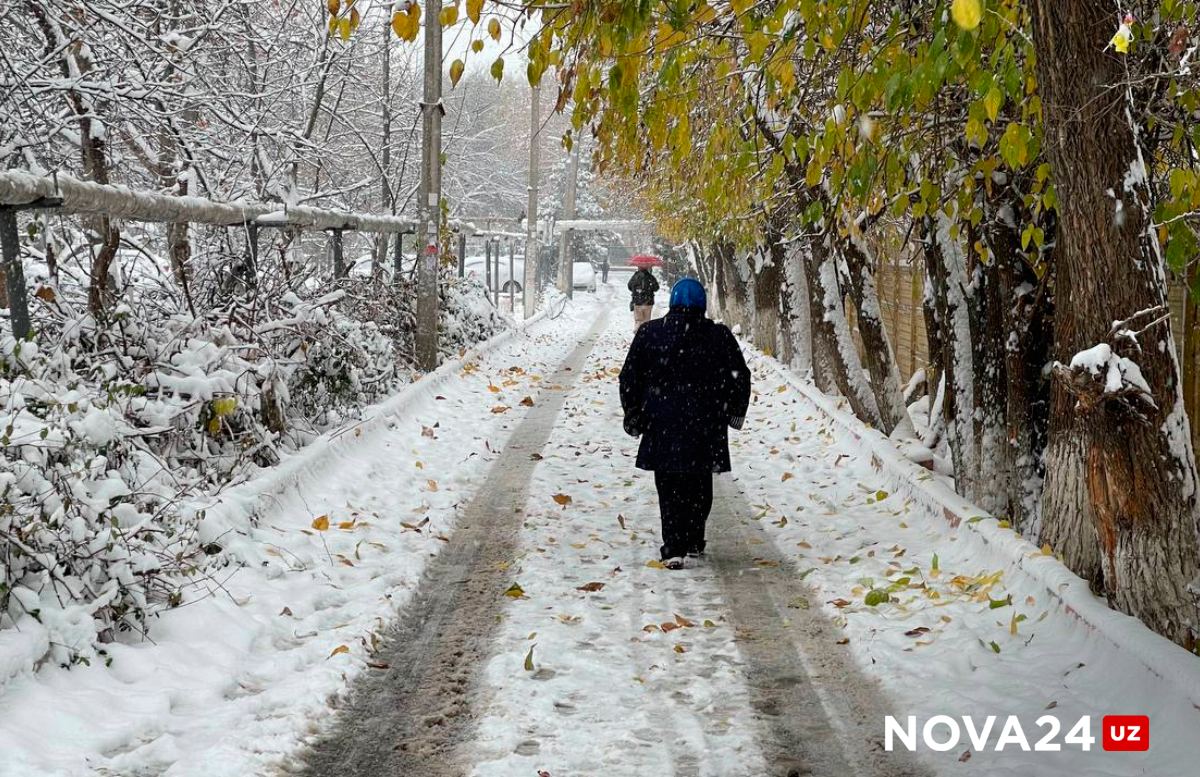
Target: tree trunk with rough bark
799, 324
767, 285
835, 358
734, 299
1121, 470
877, 348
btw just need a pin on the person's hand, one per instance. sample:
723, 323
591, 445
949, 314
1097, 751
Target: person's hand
737, 421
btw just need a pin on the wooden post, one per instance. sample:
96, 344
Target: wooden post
339, 259
487, 271
14, 274
462, 254
531, 235
250, 276
428, 247
398, 259
496, 273
566, 266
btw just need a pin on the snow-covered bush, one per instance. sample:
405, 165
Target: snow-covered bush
106, 426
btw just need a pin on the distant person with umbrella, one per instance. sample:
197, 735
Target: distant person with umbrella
684, 385
642, 287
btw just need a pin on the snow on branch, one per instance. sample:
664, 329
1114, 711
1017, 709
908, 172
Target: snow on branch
1101, 374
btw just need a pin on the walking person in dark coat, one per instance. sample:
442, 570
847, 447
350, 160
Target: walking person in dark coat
683, 385
642, 286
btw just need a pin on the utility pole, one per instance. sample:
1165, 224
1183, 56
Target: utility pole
531, 248
566, 266
386, 155
431, 192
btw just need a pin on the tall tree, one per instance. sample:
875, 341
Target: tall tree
1122, 472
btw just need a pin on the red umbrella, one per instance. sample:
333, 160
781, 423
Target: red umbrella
646, 260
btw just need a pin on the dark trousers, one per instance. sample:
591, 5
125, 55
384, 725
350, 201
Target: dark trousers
684, 501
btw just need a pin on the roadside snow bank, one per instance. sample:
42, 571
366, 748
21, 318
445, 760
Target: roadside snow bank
1158, 655
955, 614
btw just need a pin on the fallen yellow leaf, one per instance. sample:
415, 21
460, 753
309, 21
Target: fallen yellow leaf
321, 523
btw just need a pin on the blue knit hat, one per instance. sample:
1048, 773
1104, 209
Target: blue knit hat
688, 293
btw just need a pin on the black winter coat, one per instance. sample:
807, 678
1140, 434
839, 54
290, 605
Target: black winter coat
643, 284
683, 384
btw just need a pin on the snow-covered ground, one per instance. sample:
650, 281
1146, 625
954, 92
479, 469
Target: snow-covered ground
606, 689
604, 663
590, 674
963, 631
231, 683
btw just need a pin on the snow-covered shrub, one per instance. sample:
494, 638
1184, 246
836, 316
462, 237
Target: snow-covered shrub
467, 317
106, 426
88, 541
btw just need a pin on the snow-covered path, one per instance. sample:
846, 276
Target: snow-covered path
233, 681
641, 670
762, 660
604, 662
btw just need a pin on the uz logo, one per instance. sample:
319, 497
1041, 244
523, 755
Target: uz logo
1126, 732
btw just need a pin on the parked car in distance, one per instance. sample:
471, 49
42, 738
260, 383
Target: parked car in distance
475, 265
583, 275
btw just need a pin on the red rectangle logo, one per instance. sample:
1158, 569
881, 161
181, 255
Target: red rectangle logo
1126, 732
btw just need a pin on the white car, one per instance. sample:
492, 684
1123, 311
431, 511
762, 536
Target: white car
476, 266
583, 275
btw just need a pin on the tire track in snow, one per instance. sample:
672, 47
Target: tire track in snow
820, 714
614, 693
409, 718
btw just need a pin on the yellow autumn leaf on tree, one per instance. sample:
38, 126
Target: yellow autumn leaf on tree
334, 6
456, 71
498, 69
1120, 42
474, 8
406, 24
344, 29
449, 16
477, 46
494, 28
967, 13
